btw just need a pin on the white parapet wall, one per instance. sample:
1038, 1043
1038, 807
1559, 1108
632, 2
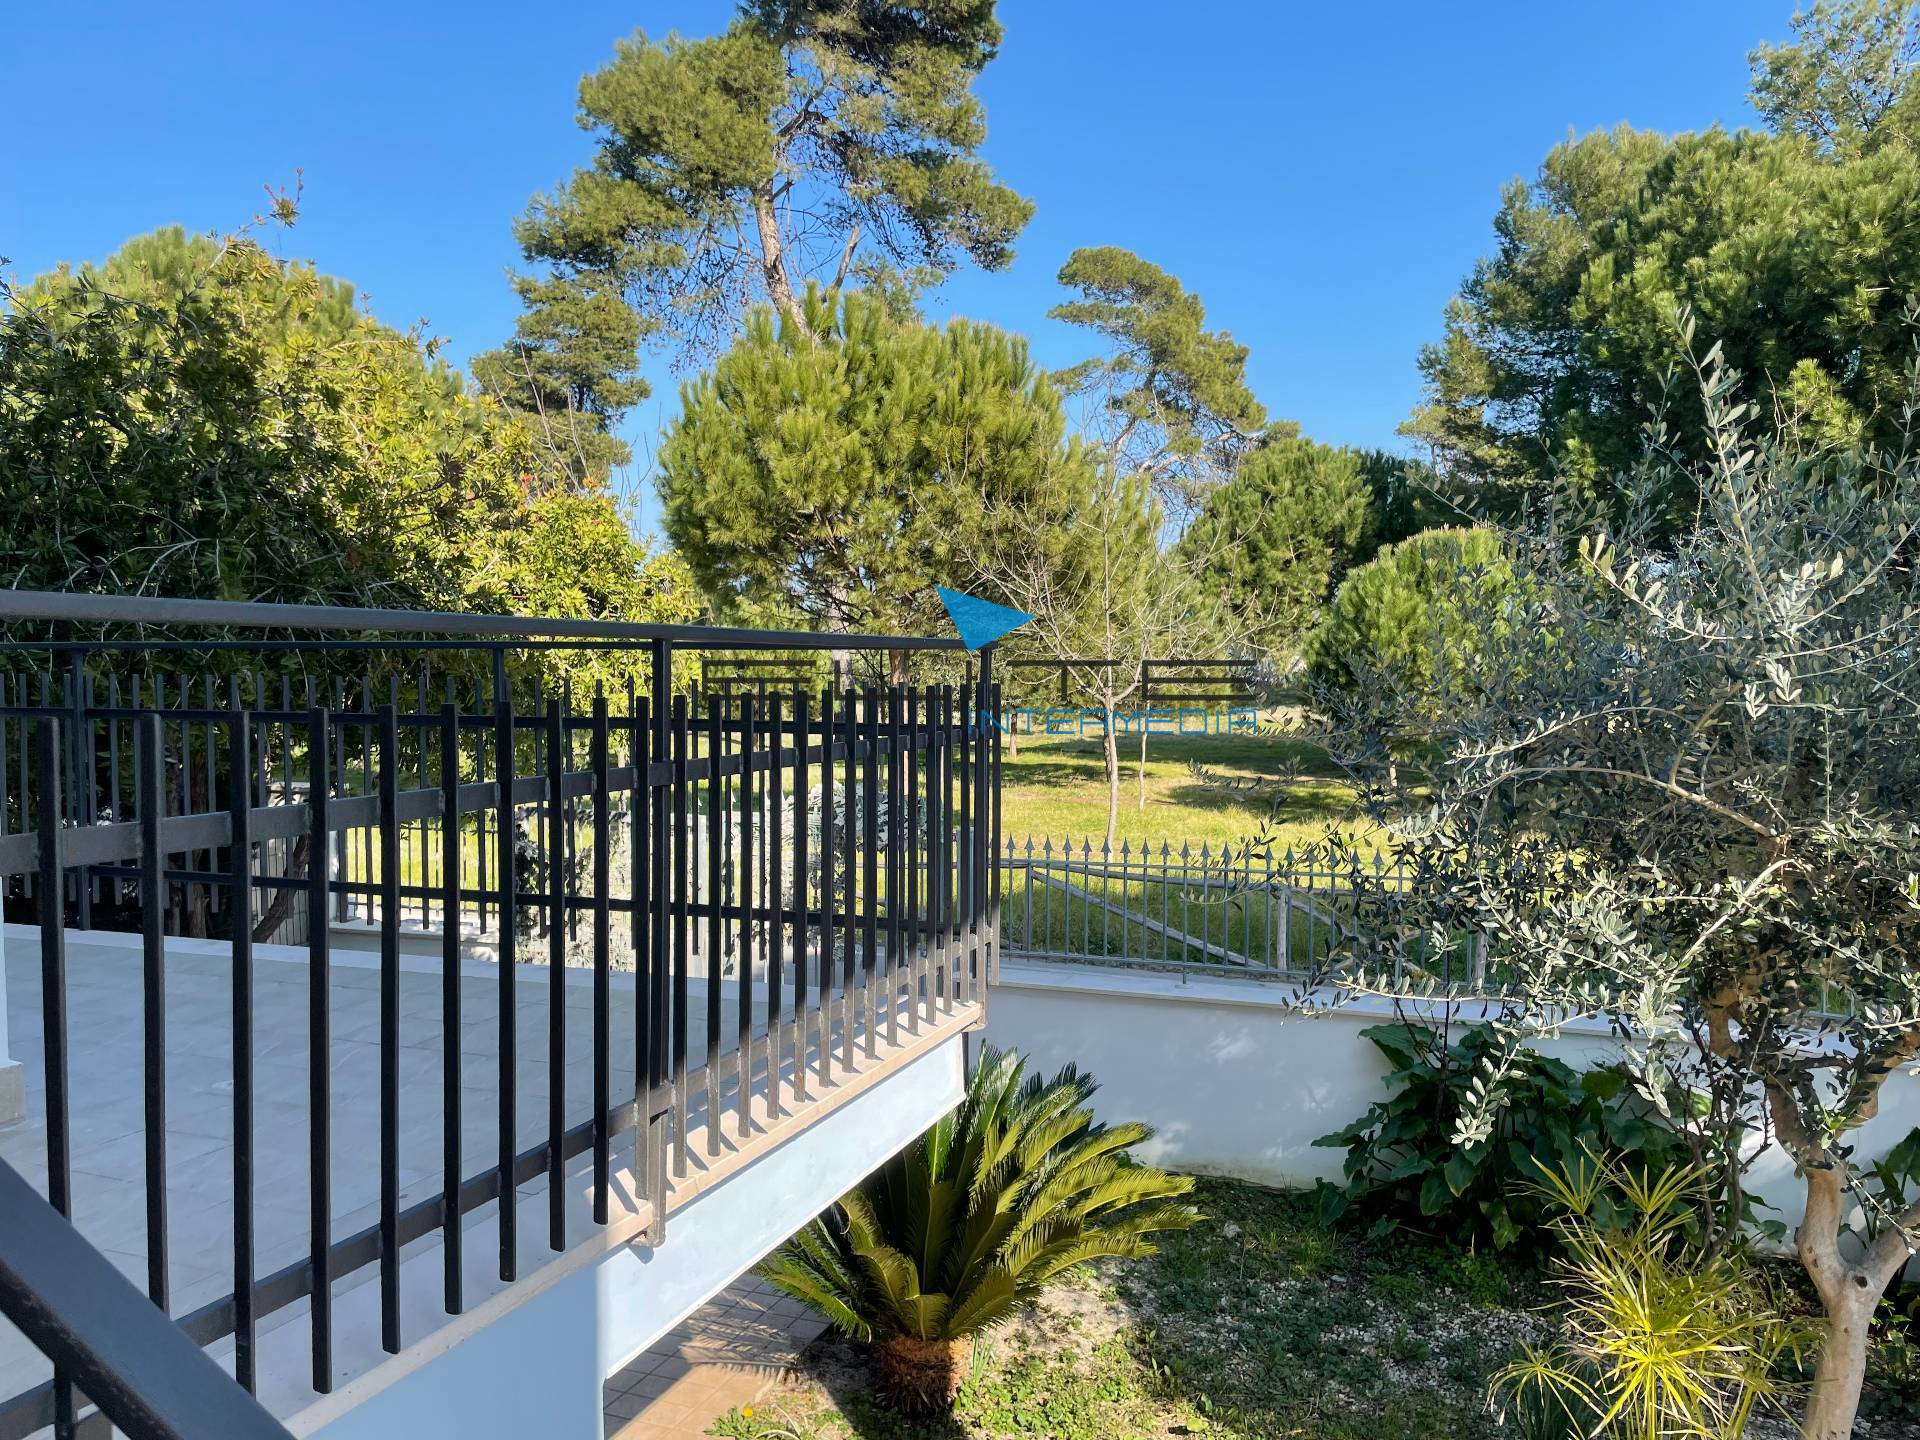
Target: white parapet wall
1237, 1081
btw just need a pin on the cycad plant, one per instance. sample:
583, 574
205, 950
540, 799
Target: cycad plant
1013, 1190
1659, 1339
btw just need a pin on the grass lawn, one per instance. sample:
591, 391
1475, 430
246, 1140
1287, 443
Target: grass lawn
1261, 1323
1056, 788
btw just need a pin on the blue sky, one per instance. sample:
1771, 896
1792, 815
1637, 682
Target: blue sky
1323, 175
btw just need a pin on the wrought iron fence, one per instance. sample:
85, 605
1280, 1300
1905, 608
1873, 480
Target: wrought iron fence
804, 878
1249, 909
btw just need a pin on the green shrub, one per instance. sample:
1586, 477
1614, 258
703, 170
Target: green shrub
1404, 1167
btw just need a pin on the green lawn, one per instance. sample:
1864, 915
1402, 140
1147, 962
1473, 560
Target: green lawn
1056, 788
1263, 1323
1259, 1324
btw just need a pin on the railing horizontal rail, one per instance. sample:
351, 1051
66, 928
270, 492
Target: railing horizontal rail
244, 614
73, 1304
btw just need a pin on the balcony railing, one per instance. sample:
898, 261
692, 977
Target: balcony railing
739, 903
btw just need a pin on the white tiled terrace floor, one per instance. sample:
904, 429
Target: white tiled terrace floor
104, 1000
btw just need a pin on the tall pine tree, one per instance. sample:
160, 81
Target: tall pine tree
831, 469
813, 141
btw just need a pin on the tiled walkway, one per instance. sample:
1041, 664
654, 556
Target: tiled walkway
724, 1356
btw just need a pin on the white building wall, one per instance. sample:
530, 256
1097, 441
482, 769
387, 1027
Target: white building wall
1236, 1081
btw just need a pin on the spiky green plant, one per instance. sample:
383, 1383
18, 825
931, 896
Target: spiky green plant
1009, 1193
1659, 1338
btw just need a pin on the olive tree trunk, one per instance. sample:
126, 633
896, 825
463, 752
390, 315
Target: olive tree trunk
1848, 1293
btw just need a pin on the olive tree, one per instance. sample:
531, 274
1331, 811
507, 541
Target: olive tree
1682, 793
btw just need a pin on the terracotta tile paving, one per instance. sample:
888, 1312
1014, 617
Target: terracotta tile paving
726, 1355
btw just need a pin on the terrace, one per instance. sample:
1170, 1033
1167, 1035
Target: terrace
591, 1002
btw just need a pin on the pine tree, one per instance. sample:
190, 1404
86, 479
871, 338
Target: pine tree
830, 470
1271, 543
571, 370
1797, 251
1408, 631
829, 141
1170, 399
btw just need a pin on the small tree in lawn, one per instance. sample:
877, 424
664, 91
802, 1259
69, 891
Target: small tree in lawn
1104, 589
1682, 792
1278, 535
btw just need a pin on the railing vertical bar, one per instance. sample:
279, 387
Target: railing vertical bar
507, 868
660, 676
115, 888
640, 933
824, 987
53, 1008
451, 1119
338, 743
850, 995
423, 831
776, 947
963, 879
910, 861
320, 1046
716, 809
930, 850
369, 841
389, 809
993, 838
744, 880
949, 870
152, 799
802, 917
315, 858
870, 869
682, 885
480, 857
558, 743
602, 959
209, 892
240, 862
895, 866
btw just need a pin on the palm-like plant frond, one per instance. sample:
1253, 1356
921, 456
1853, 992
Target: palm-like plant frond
1019, 1186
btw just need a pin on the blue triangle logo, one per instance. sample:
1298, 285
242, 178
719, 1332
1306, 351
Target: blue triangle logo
980, 622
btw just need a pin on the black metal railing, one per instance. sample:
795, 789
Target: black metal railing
785, 886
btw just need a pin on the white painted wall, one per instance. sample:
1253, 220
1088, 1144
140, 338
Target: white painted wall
1237, 1082
537, 1370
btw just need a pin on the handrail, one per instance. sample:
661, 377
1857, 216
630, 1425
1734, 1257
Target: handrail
106, 1339
248, 614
